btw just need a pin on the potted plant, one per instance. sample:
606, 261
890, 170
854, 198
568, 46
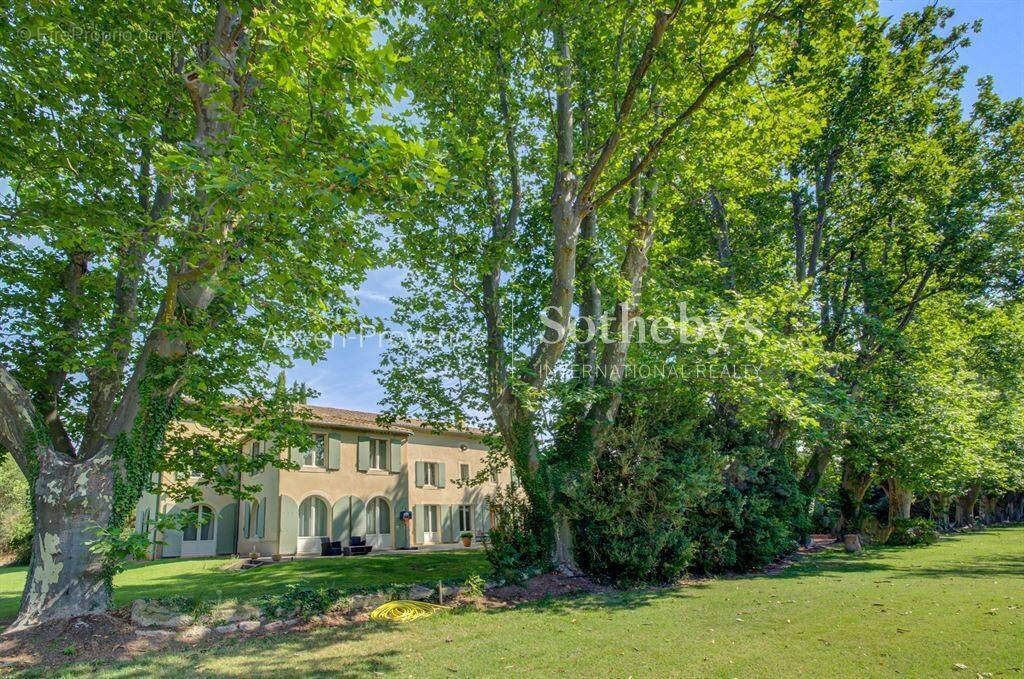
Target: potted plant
276, 557
254, 556
467, 538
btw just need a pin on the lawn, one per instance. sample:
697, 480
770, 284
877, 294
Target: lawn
204, 577
911, 611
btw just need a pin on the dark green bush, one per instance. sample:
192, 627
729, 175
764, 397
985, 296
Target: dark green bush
914, 531
758, 513
628, 510
519, 539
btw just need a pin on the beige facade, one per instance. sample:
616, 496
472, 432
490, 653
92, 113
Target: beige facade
356, 481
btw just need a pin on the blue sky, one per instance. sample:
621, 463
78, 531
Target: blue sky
345, 378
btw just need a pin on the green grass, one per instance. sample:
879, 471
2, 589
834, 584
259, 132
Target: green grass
203, 577
910, 611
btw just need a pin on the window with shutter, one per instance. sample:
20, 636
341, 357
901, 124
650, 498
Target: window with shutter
430, 474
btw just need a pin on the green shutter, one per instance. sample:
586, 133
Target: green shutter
447, 525
363, 454
227, 524
400, 531
479, 523
288, 526
295, 455
334, 452
395, 459
419, 474
358, 517
341, 526
247, 520
261, 518
441, 480
417, 523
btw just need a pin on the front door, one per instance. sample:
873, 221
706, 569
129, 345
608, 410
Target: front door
378, 524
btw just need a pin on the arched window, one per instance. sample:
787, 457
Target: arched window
378, 517
200, 524
312, 518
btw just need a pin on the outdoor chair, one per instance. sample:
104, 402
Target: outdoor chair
328, 548
357, 546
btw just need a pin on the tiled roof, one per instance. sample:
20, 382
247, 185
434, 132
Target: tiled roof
357, 419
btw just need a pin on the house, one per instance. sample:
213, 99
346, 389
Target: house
355, 481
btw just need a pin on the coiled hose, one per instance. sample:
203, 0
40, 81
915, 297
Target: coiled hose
405, 611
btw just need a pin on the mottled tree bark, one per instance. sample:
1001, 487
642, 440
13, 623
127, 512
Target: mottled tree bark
66, 578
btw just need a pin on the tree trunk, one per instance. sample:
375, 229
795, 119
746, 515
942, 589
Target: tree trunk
854, 486
938, 509
900, 499
965, 507
815, 470
65, 578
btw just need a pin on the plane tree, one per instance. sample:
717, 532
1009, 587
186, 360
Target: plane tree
186, 201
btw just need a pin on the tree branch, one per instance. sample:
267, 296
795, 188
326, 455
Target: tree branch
16, 419
662, 20
654, 147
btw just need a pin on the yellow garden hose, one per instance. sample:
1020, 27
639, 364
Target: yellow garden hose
405, 611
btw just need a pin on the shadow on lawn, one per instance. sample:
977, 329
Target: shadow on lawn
874, 559
262, 656
341, 572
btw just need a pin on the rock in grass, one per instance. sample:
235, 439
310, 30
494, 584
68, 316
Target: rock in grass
147, 613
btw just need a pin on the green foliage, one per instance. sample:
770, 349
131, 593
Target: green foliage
195, 607
473, 587
628, 509
913, 531
757, 515
299, 599
518, 540
15, 512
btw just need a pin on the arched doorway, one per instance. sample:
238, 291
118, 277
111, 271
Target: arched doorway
378, 523
198, 538
313, 524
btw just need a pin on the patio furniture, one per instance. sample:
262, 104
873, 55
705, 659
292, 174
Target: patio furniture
357, 547
328, 548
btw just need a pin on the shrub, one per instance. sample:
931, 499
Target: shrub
757, 515
466, 534
914, 531
473, 587
519, 539
628, 508
299, 599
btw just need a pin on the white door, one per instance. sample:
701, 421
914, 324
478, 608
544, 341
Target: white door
431, 525
378, 523
313, 522
199, 538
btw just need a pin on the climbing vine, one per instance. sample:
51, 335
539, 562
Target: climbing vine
136, 454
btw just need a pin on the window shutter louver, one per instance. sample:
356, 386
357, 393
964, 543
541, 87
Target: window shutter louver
334, 452
363, 454
420, 473
395, 457
441, 480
